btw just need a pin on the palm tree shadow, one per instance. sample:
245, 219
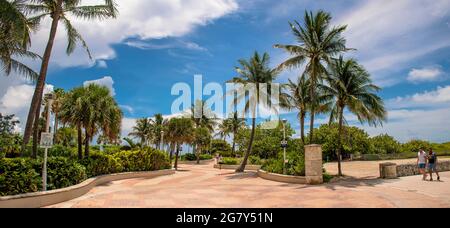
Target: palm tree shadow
240, 176
349, 183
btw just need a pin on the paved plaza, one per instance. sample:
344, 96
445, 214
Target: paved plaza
202, 186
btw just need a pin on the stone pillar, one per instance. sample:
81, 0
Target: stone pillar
313, 164
388, 170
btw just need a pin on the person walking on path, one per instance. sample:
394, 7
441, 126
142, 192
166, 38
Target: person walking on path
422, 163
432, 162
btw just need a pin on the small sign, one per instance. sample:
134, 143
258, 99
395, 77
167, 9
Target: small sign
46, 140
284, 144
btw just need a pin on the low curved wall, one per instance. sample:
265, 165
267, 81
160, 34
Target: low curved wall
202, 162
42, 199
234, 167
282, 178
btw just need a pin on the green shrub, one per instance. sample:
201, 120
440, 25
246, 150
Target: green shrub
254, 160
188, 157
219, 146
62, 151
63, 172
206, 157
229, 161
294, 167
385, 144
19, 176
100, 164
414, 146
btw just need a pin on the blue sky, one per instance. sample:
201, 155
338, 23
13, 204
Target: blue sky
156, 43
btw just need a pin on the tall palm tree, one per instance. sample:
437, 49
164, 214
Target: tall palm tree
103, 114
235, 124
73, 112
318, 43
143, 131
202, 139
59, 11
202, 116
349, 86
95, 110
56, 108
224, 129
298, 97
255, 71
159, 125
15, 30
180, 131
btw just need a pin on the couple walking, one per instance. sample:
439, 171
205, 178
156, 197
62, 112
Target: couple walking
427, 161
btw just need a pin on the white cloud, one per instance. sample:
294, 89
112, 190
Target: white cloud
17, 100
139, 19
388, 33
436, 98
425, 74
127, 108
106, 81
406, 125
102, 64
127, 126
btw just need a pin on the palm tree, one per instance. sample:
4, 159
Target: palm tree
73, 112
56, 108
59, 11
202, 139
180, 131
297, 97
255, 71
159, 125
102, 114
318, 43
349, 87
143, 131
224, 129
202, 116
15, 30
94, 109
235, 124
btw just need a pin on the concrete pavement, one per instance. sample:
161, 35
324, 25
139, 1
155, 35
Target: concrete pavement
202, 186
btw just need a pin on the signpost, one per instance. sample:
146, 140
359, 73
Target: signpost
46, 141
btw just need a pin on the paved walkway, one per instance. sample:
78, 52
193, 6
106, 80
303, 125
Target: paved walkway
202, 186
365, 169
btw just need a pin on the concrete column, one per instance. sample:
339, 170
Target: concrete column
313, 164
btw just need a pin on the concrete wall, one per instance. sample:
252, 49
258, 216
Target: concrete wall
282, 178
412, 169
42, 199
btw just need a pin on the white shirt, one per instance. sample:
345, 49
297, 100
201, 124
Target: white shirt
422, 157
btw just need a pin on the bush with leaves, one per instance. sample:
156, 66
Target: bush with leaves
414, 146
18, 176
98, 164
64, 172
385, 144
222, 147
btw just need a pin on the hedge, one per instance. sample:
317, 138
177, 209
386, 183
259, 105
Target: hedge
23, 175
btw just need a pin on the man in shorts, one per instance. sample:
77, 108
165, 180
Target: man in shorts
422, 163
432, 161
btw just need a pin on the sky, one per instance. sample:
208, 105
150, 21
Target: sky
154, 44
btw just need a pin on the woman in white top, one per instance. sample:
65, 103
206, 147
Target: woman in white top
422, 163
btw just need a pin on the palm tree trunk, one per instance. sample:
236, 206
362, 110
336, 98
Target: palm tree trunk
55, 130
233, 149
198, 156
35, 135
176, 156
249, 149
86, 144
37, 96
341, 120
302, 126
80, 142
313, 102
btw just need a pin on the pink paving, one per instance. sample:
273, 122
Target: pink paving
204, 187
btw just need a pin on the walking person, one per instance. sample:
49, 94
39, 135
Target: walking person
422, 163
432, 161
